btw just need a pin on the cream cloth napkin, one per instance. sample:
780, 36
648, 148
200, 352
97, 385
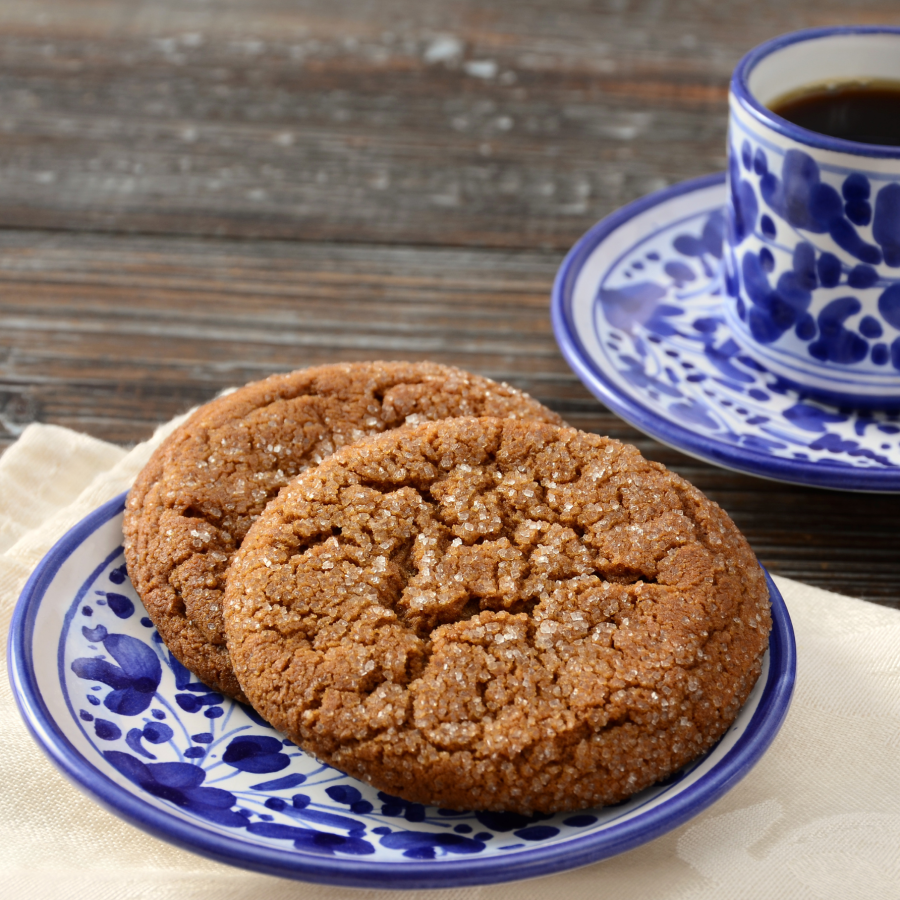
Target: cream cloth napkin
819, 816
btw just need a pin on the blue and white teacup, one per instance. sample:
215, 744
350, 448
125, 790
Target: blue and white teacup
813, 264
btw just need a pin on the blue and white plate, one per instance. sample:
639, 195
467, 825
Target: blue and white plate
637, 312
130, 726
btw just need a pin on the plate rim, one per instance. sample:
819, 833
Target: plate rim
629, 407
354, 872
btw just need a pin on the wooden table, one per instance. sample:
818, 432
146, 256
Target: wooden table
195, 193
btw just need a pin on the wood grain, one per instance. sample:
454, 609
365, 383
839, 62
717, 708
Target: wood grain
114, 334
447, 123
195, 194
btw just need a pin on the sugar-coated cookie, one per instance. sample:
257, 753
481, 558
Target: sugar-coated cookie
491, 614
192, 505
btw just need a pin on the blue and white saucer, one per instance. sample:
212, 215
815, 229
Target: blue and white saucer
131, 727
638, 315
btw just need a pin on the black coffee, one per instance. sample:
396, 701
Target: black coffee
855, 111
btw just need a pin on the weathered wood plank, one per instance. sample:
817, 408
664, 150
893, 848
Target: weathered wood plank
112, 335
447, 123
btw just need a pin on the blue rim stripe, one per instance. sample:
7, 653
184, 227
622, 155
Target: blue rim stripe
632, 410
741, 91
579, 851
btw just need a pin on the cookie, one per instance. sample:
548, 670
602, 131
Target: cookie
192, 505
498, 615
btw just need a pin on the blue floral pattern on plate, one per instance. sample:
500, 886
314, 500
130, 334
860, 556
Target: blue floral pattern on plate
134, 728
638, 312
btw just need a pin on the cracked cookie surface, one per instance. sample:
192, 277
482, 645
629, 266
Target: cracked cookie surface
489, 614
194, 502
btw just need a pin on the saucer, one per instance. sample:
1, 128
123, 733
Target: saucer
637, 313
131, 727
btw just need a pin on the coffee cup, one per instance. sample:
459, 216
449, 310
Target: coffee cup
813, 239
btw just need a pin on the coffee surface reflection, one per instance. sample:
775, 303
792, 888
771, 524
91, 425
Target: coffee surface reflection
868, 113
